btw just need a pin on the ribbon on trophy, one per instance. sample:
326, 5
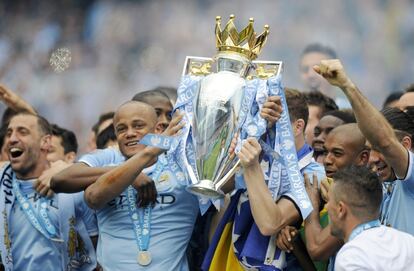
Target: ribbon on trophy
183, 151
285, 145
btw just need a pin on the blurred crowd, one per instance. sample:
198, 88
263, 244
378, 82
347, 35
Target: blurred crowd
122, 47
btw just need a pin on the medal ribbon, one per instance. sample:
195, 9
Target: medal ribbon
141, 217
363, 227
43, 225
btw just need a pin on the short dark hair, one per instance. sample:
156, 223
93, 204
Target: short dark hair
3, 132
400, 120
319, 48
392, 97
7, 115
105, 136
325, 103
171, 92
102, 118
410, 88
69, 141
345, 115
297, 105
145, 95
361, 189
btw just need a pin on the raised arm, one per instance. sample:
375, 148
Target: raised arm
370, 121
14, 101
270, 216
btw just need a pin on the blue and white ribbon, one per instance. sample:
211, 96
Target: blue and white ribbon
41, 223
141, 217
159, 141
285, 145
363, 227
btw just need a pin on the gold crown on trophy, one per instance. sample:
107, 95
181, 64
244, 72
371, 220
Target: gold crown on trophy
245, 42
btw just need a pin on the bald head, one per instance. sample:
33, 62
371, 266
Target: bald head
139, 109
350, 135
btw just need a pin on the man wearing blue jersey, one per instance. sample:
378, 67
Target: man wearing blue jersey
38, 233
169, 222
396, 151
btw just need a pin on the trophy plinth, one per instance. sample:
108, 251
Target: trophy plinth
205, 188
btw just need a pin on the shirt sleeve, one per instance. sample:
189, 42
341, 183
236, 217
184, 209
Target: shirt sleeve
86, 214
408, 181
99, 158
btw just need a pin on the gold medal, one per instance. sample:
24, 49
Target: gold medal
144, 258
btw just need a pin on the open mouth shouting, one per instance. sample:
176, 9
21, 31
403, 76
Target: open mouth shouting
15, 152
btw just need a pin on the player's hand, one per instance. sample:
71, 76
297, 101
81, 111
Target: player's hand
313, 191
250, 152
285, 238
42, 184
147, 192
233, 144
326, 184
333, 71
271, 110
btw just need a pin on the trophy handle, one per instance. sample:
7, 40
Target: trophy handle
197, 66
227, 177
265, 69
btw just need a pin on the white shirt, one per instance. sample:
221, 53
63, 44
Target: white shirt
380, 248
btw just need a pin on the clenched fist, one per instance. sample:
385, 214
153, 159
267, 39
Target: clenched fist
333, 71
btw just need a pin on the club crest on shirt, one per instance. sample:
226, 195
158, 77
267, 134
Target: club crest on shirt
164, 182
7, 241
78, 255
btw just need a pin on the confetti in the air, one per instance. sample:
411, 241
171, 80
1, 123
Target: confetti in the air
60, 59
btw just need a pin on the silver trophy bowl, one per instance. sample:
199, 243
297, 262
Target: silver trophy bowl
216, 122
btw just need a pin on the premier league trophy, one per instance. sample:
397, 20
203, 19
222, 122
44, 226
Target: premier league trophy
220, 103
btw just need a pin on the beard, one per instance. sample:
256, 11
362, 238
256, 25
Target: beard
337, 231
27, 165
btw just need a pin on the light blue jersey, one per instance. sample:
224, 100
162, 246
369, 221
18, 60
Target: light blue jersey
399, 213
172, 222
33, 251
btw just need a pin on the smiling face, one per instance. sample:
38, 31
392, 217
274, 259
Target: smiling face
132, 122
338, 155
378, 165
344, 146
26, 145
